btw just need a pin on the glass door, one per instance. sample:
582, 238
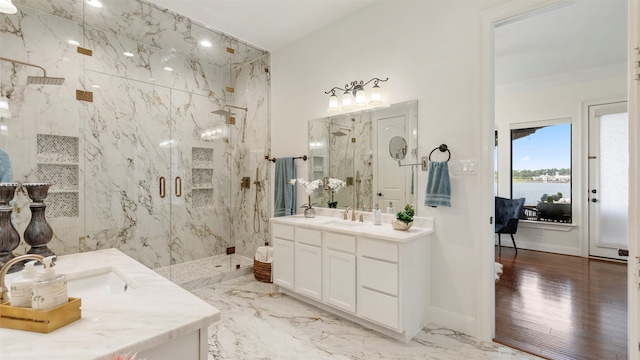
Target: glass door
608, 180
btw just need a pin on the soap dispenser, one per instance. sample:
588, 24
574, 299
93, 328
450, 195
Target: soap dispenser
49, 290
391, 209
377, 215
20, 289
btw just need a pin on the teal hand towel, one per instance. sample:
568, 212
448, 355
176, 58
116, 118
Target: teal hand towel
284, 203
5, 167
438, 192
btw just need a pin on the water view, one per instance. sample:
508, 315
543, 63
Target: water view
532, 191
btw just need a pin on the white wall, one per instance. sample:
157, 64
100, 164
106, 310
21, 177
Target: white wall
559, 102
430, 52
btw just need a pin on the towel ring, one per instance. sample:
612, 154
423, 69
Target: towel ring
442, 148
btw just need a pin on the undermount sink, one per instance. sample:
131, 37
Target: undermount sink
97, 283
345, 223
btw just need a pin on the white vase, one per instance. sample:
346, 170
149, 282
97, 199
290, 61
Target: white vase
310, 213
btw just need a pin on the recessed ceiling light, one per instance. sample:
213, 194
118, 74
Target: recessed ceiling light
73, 42
94, 3
128, 54
166, 68
206, 43
95, 86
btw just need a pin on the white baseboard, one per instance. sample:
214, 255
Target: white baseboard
453, 321
542, 247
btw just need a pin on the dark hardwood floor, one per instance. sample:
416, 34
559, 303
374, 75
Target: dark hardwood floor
562, 307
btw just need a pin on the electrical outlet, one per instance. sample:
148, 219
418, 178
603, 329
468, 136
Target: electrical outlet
231, 250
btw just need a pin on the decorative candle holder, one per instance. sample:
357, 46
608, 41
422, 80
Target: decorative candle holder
9, 236
7, 192
38, 233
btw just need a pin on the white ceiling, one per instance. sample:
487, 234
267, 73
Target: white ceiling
268, 24
577, 42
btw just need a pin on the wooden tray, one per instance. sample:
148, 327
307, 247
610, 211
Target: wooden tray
42, 321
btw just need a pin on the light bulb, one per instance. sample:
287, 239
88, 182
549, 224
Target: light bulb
333, 103
347, 101
361, 98
376, 96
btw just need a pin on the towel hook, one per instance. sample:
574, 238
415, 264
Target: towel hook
442, 148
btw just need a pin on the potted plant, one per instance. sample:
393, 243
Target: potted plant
404, 218
309, 188
333, 184
554, 208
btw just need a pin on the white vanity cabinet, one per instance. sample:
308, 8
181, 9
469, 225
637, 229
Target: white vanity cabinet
308, 263
283, 241
372, 275
339, 271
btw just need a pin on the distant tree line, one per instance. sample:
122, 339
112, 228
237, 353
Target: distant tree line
528, 174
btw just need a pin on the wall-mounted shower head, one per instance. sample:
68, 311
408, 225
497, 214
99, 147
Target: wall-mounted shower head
225, 113
44, 80
340, 132
38, 80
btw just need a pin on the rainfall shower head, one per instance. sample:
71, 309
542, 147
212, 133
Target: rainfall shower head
340, 132
225, 113
38, 80
44, 80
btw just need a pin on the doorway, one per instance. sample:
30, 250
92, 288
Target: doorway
608, 180
529, 57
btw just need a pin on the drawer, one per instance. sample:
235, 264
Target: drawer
378, 275
378, 249
282, 231
309, 237
381, 308
340, 242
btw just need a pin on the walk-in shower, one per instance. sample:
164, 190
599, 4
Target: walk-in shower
37, 80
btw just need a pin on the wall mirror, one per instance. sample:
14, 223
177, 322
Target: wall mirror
355, 147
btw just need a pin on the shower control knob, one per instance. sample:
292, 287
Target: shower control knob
594, 200
594, 191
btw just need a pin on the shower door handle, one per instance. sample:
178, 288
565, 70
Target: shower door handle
163, 188
178, 186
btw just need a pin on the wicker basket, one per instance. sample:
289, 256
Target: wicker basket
262, 271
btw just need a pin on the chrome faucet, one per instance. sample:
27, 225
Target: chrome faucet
345, 214
10, 263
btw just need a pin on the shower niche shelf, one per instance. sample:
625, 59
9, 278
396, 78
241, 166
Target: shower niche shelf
58, 163
201, 177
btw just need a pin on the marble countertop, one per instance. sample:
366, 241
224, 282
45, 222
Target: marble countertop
331, 220
152, 311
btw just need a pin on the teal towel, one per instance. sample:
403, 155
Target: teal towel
5, 167
285, 195
438, 192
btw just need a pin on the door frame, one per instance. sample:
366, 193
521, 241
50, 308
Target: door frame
584, 231
486, 290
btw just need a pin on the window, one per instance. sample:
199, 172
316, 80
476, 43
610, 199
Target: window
541, 169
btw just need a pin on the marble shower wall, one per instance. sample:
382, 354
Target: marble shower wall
146, 129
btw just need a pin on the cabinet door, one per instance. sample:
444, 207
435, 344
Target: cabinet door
340, 280
308, 265
283, 263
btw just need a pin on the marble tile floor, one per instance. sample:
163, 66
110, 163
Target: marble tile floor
207, 271
260, 323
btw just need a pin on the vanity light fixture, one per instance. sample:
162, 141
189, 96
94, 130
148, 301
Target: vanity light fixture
355, 95
6, 7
